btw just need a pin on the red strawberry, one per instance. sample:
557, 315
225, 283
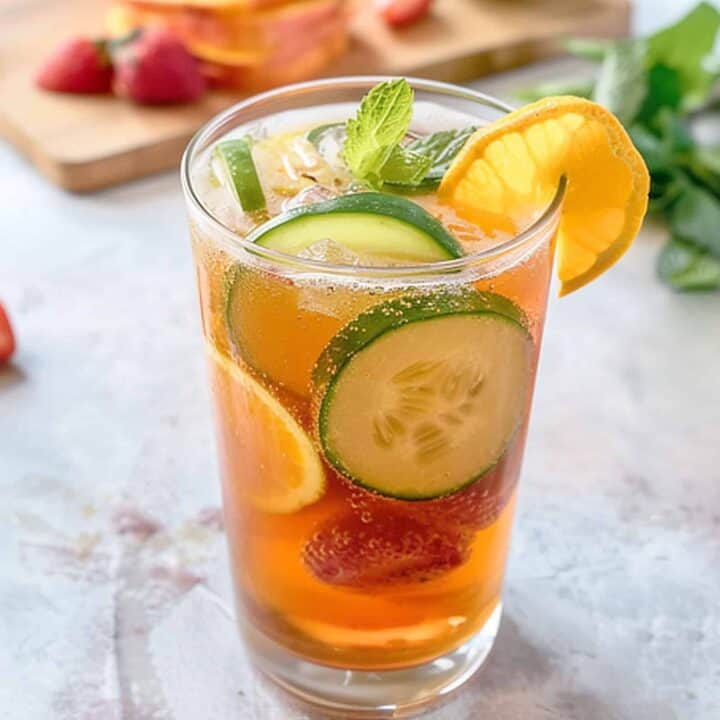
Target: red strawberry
479, 505
402, 12
155, 68
80, 65
7, 339
390, 546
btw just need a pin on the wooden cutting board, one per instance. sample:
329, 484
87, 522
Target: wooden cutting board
85, 143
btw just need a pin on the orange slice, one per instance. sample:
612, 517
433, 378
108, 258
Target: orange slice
512, 168
269, 460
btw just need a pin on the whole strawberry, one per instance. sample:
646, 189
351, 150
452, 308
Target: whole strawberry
155, 68
80, 65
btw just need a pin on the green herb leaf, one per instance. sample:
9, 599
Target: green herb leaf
709, 157
657, 156
696, 219
622, 82
577, 87
683, 47
688, 268
441, 147
653, 85
675, 132
405, 167
664, 91
588, 48
379, 125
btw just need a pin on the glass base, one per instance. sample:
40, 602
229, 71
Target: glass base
382, 694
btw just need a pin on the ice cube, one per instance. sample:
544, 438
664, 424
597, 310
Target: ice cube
309, 196
329, 251
331, 144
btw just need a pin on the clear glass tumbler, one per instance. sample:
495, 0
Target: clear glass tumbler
367, 601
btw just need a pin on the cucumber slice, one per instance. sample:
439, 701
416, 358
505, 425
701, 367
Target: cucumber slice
236, 160
419, 397
372, 225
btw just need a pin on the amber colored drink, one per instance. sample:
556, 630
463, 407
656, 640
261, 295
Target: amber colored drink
368, 489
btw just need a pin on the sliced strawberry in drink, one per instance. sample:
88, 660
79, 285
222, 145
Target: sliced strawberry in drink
479, 505
379, 548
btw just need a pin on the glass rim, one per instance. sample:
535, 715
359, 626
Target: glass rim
234, 241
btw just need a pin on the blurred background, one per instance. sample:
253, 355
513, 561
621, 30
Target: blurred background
114, 598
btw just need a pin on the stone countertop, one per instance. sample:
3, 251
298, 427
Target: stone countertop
114, 597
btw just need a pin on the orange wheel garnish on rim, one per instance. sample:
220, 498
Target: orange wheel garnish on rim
512, 168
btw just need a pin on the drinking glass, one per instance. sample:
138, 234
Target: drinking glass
356, 600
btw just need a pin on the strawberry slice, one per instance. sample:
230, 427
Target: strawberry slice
479, 505
390, 546
399, 13
7, 339
155, 68
79, 65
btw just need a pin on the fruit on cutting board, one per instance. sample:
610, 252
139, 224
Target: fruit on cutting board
79, 65
399, 13
155, 68
149, 66
251, 45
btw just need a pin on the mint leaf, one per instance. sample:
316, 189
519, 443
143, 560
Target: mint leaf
688, 268
674, 131
658, 157
441, 147
664, 91
709, 157
373, 150
622, 82
696, 219
381, 122
683, 47
653, 85
405, 167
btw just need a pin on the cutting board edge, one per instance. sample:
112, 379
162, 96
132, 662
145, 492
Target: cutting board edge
86, 176
82, 175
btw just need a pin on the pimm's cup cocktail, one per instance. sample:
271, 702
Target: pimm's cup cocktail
373, 261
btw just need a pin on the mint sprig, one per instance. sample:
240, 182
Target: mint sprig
441, 147
654, 85
405, 167
376, 131
375, 148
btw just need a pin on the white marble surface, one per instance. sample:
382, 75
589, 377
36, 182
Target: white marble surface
113, 587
